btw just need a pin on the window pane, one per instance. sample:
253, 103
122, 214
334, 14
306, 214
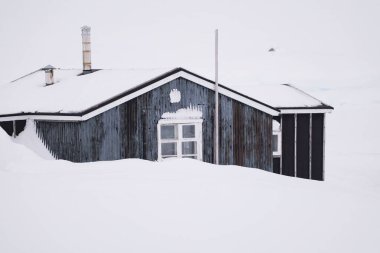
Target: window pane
168, 132
189, 147
274, 143
168, 149
188, 131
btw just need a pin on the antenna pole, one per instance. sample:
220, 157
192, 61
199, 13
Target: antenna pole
216, 123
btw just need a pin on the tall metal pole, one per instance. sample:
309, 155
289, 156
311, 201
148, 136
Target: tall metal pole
216, 123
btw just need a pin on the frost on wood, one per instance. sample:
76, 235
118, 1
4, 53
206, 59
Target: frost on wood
175, 96
191, 112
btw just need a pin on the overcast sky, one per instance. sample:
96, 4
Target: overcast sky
315, 40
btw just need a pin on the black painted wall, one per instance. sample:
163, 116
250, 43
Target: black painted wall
304, 156
317, 147
276, 165
303, 142
130, 129
288, 134
8, 126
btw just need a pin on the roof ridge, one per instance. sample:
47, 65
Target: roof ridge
31, 73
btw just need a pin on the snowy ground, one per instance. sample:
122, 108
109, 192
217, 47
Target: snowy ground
189, 206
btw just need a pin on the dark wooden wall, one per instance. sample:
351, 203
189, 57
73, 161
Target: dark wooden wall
130, 129
288, 135
277, 165
301, 151
245, 135
8, 126
317, 150
303, 143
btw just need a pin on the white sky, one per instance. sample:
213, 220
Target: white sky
326, 41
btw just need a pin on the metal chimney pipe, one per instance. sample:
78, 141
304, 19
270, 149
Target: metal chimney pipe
49, 74
86, 47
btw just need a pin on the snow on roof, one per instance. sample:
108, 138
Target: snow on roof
280, 96
70, 92
74, 93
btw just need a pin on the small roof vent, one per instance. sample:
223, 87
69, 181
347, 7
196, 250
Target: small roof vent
47, 67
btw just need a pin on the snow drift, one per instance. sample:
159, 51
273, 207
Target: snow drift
11, 152
176, 206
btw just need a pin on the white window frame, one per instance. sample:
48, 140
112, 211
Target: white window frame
279, 143
178, 123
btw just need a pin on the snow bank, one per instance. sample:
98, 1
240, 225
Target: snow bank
11, 153
29, 138
27, 148
178, 206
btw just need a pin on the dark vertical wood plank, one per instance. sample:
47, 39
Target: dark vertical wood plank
317, 147
276, 165
303, 139
288, 135
226, 132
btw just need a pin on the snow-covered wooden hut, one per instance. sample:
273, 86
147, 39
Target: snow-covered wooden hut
92, 115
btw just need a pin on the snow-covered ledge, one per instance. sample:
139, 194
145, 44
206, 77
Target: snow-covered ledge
192, 112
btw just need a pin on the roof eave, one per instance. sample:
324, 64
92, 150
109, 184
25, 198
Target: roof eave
300, 110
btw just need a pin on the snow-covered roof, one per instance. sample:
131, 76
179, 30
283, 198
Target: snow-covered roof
284, 97
71, 92
79, 97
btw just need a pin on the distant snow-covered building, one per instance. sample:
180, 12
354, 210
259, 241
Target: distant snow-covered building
91, 115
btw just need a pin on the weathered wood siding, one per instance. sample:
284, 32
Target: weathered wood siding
130, 129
